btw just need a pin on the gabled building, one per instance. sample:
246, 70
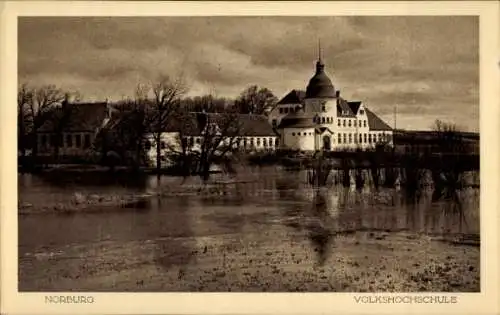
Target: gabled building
320, 119
245, 132
73, 128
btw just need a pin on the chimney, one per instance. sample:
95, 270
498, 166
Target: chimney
337, 95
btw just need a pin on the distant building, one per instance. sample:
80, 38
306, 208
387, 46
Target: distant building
73, 128
320, 119
248, 133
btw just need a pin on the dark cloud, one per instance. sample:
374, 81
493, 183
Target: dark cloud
425, 65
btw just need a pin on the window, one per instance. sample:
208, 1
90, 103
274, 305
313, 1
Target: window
359, 124
276, 142
349, 123
365, 138
369, 138
245, 142
258, 141
264, 142
361, 112
360, 138
340, 138
198, 140
323, 108
343, 122
323, 120
310, 133
251, 142
86, 142
293, 133
163, 145
270, 142
69, 141
275, 122
345, 137
338, 122
147, 145
379, 137
281, 110
190, 141
364, 123
355, 122
78, 141
350, 138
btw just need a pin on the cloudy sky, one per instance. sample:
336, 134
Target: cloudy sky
427, 66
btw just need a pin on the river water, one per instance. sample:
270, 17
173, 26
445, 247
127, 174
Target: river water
266, 200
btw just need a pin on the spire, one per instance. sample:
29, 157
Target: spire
320, 66
319, 50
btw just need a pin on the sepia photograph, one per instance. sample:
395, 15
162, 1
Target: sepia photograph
248, 154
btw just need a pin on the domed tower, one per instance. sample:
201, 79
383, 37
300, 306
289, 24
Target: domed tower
321, 96
320, 85
320, 103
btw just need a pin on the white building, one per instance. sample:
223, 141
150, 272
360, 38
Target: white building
320, 119
253, 134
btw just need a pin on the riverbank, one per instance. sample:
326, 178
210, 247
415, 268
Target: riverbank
352, 159
258, 261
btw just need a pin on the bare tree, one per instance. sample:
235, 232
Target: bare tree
220, 136
24, 99
449, 137
38, 104
167, 94
126, 135
255, 100
217, 137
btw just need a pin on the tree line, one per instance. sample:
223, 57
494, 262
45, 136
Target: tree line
156, 106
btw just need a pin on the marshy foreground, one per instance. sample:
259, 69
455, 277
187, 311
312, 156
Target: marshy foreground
265, 230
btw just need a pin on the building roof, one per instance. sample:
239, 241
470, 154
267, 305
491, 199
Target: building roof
354, 106
77, 117
297, 120
320, 85
344, 109
375, 123
293, 97
250, 125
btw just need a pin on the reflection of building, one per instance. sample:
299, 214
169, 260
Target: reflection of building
72, 128
320, 119
245, 132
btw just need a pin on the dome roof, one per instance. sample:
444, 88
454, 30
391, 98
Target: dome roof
320, 85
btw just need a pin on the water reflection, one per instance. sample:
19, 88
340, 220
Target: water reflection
321, 229
242, 206
174, 245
